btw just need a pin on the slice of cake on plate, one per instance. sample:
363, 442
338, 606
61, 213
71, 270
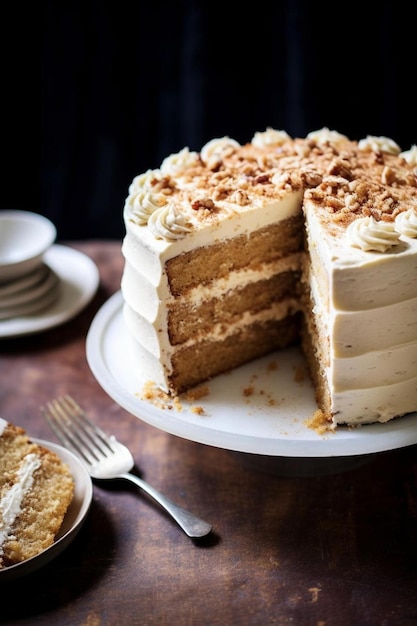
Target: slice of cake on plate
36, 489
238, 250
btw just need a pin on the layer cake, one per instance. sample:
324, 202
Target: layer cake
239, 250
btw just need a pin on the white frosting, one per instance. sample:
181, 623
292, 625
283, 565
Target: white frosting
379, 144
410, 155
143, 203
270, 137
11, 503
324, 135
177, 162
215, 147
168, 223
144, 181
406, 223
368, 234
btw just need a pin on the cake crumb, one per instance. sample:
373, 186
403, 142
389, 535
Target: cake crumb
177, 404
158, 397
163, 400
299, 374
198, 410
272, 367
319, 422
197, 393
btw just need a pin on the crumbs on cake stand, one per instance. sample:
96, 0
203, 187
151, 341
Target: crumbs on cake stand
250, 390
319, 421
163, 400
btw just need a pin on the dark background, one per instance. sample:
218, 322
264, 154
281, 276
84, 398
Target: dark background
97, 92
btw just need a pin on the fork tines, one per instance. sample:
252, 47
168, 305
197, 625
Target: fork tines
73, 428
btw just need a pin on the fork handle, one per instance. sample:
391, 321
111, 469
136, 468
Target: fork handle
192, 525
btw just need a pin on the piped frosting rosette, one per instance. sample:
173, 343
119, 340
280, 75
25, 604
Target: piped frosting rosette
371, 235
167, 223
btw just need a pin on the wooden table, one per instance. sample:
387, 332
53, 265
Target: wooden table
317, 550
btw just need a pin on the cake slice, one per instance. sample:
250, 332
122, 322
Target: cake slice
36, 489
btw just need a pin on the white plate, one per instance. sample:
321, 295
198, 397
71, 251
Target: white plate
30, 301
271, 421
79, 278
24, 283
74, 518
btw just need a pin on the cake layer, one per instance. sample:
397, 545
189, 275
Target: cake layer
203, 265
152, 302
149, 336
187, 320
203, 360
198, 362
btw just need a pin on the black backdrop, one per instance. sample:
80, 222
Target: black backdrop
96, 92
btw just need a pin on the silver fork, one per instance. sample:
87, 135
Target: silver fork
107, 458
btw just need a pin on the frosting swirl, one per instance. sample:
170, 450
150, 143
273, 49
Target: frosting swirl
178, 161
270, 137
369, 235
215, 147
379, 144
406, 223
144, 180
143, 204
324, 135
410, 155
166, 223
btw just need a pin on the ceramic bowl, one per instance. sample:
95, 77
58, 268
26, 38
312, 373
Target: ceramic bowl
24, 239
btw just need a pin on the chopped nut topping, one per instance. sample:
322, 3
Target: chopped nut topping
340, 178
334, 203
214, 163
248, 169
240, 197
378, 157
388, 175
411, 179
340, 167
263, 178
335, 181
203, 203
311, 178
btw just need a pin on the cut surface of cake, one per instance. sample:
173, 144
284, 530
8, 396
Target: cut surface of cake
239, 250
36, 489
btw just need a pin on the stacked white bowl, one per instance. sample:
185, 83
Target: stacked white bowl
27, 284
